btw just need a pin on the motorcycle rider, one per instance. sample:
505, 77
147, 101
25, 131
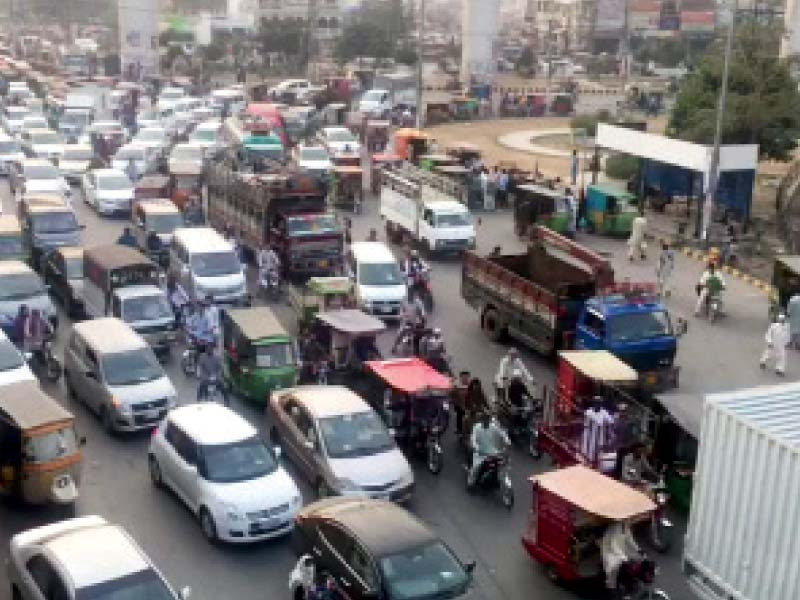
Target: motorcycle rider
710, 285
432, 350
459, 398
127, 238
487, 439
209, 372
211, 315
510, 363
617, 547
636, 468
268, 261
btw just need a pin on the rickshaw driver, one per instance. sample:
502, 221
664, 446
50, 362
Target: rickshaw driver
488, 439
617, 547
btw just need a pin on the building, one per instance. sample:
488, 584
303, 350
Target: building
328, 15
479, 29
562, 26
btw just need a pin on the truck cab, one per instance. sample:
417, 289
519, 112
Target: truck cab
637, 328
445, 226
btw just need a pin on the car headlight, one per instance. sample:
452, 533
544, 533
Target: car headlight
123, 409
346, 485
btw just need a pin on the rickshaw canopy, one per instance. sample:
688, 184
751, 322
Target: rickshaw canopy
599, 365
256, 323
383, 157
409, 375
595, 493
350, 320
25, 404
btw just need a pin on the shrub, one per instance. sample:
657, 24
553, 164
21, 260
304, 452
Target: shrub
622, 166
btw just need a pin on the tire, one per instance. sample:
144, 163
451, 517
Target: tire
52, 368
207, 525
661, 540
155, 472
322, 489
274, 436
493, 326
70, 390
507, 495
15, 593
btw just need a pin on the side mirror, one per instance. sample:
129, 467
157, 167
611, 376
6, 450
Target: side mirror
185, 593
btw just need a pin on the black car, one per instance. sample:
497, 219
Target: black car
376, 550
62, 271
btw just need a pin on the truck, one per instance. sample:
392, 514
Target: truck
121, 282
560, 295
414, 209
741, 542
286, 210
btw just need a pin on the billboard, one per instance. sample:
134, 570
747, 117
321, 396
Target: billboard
610, 17
138, 38
698, 21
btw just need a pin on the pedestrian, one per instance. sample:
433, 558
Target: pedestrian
572, 214
777, 338
502, 188
666, 263
636, 243
573, 168
131, 170
488, 198
459, 395
793, 314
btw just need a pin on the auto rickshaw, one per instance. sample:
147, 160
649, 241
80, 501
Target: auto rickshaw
413, 400
346, 189
186, 185
151, 187
339, 342
610, 210
319, 294
785, 283
379, 162
571, 511
561, 105
464, 152
40, 458
11, 238
410, 144
539, 205
259, 355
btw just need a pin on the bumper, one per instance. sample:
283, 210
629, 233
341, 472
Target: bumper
113, 208
247, 532
139, 421
454, 246
382, 310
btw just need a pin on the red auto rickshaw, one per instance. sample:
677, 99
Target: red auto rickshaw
571, 511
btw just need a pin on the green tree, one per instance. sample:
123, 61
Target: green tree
763, 104
378, 29
288, 36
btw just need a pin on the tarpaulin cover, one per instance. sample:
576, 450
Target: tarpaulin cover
409, 375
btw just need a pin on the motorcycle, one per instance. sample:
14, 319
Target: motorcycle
520, 420
662, 530
214, 392
419, 286
194, 347
493, 474
44, 359
636, 581
269, 282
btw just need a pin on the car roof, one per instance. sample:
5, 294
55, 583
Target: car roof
108, 173
256, 322
328, 400
114, 256
382, 526
211, 424
371, 252
10, 267
109, 334
96, 554
202, 238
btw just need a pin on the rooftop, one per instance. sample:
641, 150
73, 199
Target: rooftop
328, 400
210, 423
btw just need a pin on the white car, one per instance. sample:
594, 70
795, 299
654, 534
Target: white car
215, 461
43, 143
375, 103
10, 153
314, 159
300, 88
33, 122
142, 157
40, 176
86, 557
169, 97
186, 158
154, 139
13, 367
109, 191
13, 116
74, 162
207, 135
340, 141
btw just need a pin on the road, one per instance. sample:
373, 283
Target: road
116, 483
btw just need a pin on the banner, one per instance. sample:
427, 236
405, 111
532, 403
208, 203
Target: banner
138, 38
610, 16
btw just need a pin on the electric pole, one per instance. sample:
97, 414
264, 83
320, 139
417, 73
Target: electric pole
420, 45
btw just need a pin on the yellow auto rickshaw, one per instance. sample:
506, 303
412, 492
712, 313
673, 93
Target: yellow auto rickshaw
40, 456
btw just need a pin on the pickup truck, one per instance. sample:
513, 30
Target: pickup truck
561, 295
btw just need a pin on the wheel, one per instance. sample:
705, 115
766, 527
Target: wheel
322, 489
435, 458
68, 384
207, 525
660, 537
108, 420
15, 593
155, 471
492, 325
507, 495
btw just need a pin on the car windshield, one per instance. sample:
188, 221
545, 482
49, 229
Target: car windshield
10, 357
272, 356
145, 308
151, 135
41, 172
379, 274
313, 154
452, 220
312, 224
19, 286
131, 367
429, 571
54, 222
240, 461
213, 264
166, 223
354, 435
114, 183
74, 267
10, 245
46, 137
205, 135
77, 154
341, 135
9, 147
51, 446
144, 585
639, 326
129, 153
192, 153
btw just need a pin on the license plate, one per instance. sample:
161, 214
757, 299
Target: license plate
385, 309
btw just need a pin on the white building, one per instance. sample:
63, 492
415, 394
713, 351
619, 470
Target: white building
562, 26
478, 37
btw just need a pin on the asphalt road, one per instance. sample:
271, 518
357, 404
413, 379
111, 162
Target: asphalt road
116, 483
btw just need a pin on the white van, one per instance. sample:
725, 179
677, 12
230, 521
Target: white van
113, 370
205, 264
380, 286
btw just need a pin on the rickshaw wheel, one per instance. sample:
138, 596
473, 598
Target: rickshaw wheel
155, 472
492, 325
274, 436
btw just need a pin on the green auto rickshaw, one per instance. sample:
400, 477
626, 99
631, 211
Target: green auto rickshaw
318, 295
259, 355
785, 283
539, 205
610, 210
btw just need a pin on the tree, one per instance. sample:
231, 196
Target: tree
287, 35
763, 102
378, 29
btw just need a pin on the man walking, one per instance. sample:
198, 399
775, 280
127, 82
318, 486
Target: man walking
666, 264
777, 338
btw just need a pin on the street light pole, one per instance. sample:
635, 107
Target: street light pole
420, 44
704, 216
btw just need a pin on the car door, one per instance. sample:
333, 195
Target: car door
75, 361
336, 546
42, 580
186, 476
95, 393
293, 434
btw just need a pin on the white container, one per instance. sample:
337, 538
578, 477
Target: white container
743, 541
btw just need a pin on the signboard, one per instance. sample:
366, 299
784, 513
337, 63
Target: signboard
138, 38
610, 16
698, 21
